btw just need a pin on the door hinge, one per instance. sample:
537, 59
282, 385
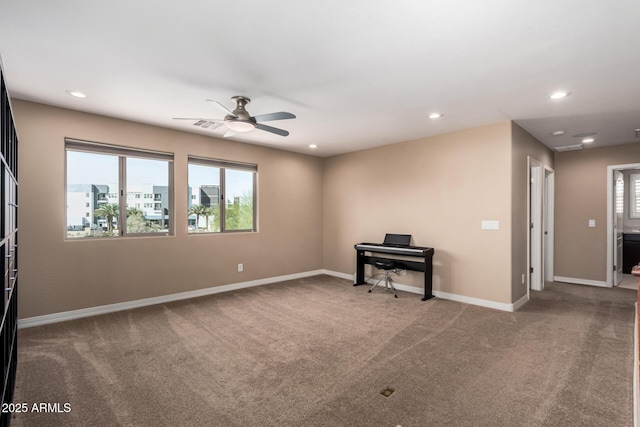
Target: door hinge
530, 269
530, 225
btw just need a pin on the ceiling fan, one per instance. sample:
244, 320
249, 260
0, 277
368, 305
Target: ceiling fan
239, 120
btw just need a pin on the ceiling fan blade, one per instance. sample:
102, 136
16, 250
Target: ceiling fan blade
274, 116
229, 133
221, 107
272, 129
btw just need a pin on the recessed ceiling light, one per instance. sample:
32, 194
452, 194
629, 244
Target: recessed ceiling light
559, 94
313, 146
588, 140
435, 115
76, 94
557, 133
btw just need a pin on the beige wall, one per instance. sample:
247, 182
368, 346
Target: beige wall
58, 275
581, 194
524, 145
311, 212
438, 189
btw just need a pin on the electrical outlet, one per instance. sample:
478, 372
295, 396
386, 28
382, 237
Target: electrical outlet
240, 268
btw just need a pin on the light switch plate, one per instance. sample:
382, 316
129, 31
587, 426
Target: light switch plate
490, 224
592, 223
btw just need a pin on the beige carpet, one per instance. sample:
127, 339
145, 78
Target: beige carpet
318, 352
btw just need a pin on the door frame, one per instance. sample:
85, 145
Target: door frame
611, 237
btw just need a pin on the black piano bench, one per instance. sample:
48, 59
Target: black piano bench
388, 266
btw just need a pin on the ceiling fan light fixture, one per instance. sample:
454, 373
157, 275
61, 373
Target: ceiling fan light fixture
239, 126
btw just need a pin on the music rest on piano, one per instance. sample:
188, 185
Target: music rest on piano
396, 244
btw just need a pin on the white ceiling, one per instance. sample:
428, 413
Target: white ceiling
356, 73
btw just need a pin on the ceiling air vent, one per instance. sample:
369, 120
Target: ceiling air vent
569, 148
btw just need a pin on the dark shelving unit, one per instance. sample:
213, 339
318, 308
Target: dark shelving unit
8, 246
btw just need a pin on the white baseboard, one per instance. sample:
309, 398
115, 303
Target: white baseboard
522, 301
477, 301
580, 281
339, 275
103, 309
455, 297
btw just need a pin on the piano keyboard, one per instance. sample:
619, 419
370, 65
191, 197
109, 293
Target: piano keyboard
390, 249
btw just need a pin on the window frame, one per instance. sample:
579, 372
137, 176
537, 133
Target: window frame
122, 152
222, 166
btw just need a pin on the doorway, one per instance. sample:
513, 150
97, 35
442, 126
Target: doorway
540, 222
615, 224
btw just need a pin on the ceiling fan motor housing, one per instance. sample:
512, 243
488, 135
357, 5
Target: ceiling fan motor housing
242, 120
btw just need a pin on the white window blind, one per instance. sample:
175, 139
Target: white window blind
619, 196
634, 195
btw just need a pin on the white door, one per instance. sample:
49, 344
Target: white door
547, 221
535, 225
618, 207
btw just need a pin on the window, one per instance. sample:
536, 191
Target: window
221, 196
122, 174
634, 195
239, 199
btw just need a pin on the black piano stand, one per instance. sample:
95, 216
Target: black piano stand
426, 267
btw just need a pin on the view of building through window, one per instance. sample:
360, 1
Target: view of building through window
147, 196
94, 198
204, 199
